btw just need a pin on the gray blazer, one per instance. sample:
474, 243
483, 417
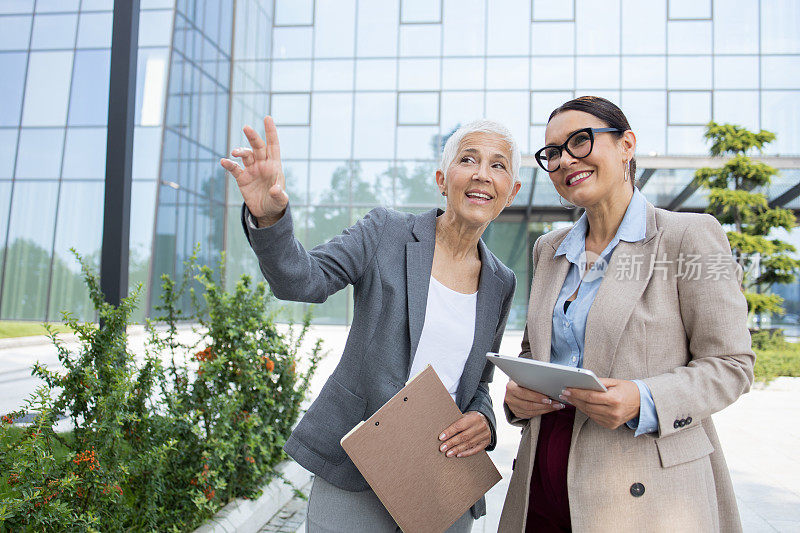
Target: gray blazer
387, 256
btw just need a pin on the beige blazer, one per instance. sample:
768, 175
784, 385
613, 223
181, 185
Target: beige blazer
669, 311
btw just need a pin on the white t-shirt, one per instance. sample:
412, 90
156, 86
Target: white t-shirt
447, 334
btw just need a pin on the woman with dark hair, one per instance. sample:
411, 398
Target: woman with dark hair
650, 301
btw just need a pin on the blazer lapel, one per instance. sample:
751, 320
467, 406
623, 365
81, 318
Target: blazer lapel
419, 261
548, 278
487, 312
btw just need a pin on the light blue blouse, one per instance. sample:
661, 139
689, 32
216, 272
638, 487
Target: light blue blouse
569, 328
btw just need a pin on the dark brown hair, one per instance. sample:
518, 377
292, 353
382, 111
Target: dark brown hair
603, 109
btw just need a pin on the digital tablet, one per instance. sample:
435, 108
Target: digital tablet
545, 378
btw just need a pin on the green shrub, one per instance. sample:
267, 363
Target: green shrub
771, 363
155, 445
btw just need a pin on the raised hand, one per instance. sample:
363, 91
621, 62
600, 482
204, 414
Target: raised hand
261, 181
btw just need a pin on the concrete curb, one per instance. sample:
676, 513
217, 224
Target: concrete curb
38, 340
248, 516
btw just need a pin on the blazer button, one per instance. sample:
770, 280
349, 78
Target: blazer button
688, 420
676, 424
682, 422
637, 489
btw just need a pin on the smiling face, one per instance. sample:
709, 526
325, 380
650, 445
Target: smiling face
479, 181
598, 177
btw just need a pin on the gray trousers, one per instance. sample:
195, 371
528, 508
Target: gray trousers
334, 510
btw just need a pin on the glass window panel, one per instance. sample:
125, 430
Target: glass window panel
5, 207
647, 114
463, 33
294, 12
420, 11
544, 102
420, 39
689, 9
151, 87
687, 140
463, 73
100, 5
296, 173
334, 28
54, 31
644, 27
39, 153
333, 75
553, 10
376, 74
294, 142
689, 107
509, 27
15, 32
323, 224
418, 108
146, 152
89, 98
94, 30
536, 138
291, 76
143, 203
737, 107
85, 153
373, 183
8, 150
689, 37
415, 184
598, 73
292, 43
12, 65
292, 109
512, 109
377, 28
16, 6
331, 125
779, 27
781, 72
611, 96
689, 72
736, 27
736, 72
507, 73
80, 206
644, 72
419, 74
780, 114
155, 28
459, 108
552, 73
553, 38
47, 89
417, 142
597, 26
43, 6
329, 183
374, 125
30, 242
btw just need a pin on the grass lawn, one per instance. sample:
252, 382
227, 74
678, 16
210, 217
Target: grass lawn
775, 362
10, 328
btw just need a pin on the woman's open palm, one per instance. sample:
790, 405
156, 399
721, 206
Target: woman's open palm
261, 181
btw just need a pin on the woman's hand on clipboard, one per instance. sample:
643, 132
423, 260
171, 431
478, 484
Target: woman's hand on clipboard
467, 436
525, 403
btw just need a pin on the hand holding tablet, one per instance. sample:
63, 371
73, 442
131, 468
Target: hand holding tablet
545, 378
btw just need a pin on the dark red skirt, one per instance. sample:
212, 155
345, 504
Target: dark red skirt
548, 505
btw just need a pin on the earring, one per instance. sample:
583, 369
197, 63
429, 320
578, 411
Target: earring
444, 193
570, 206
627, 173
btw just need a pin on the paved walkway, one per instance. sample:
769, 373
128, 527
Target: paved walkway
760, 435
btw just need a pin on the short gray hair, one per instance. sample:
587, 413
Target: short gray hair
450, 149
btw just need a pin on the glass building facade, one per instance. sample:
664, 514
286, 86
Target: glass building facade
363, 92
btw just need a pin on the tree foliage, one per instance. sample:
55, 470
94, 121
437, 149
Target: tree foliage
734, 199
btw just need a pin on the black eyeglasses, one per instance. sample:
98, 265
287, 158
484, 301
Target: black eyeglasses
578, 145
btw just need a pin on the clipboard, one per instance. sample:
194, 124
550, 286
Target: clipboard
397, 452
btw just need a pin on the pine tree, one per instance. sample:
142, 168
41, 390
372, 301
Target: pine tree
765, 261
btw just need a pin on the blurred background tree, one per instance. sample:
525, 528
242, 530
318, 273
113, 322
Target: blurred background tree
733, 200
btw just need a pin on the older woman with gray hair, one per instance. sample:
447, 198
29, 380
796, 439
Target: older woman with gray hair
427, 291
